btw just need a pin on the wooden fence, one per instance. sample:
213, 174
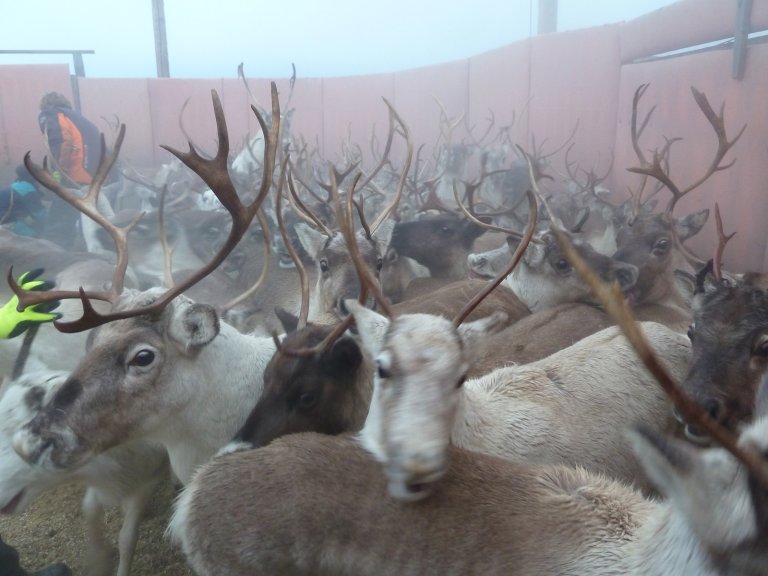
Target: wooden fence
542, 86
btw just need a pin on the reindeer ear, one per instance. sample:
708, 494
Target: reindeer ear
346, 354
289, 321
311, 240
193, 325
690, 225
473, 333
371, 326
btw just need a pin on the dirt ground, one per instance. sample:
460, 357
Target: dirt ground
51, 530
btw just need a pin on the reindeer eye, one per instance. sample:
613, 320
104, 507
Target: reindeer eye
562, 265
446, 231
307, 400
324, 265
691, 331
382, 371
379, 264
142, 358
661, 246
461, 381
761, 347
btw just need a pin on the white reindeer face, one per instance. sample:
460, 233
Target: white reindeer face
421, 362
123, 387
21, 483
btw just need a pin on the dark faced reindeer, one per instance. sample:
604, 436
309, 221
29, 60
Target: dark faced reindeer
149, 365
729, 337
654, 243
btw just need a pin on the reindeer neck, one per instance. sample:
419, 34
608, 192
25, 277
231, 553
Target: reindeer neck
233, 363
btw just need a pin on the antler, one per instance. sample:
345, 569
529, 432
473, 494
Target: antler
654, 169
346, 225
87, 205
480, 296
214, 173
722, 240
406, 134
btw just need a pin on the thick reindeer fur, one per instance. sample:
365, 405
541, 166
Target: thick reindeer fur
729, 335
486, 516
539, 335
125, 476
182, 379
448, 300
568, 408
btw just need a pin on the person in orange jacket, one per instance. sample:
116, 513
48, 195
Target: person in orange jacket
73, 140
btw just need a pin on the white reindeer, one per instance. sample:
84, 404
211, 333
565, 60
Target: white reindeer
183, 379
125, 476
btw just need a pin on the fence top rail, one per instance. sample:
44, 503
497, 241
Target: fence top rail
47, 52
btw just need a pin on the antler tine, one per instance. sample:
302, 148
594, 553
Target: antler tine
303, 277
722, 240
88, 205
167, 249
433, 201
387, 147
479, 222
405, 133
656, 170
303, 211
264, 271
346, 226
615, 304
214, 172
480, 296
183, 128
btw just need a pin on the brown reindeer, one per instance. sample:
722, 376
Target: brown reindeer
654, 243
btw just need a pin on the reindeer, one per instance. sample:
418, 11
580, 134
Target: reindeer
336, 279
654, 243
126, 475
729, 339
307, 375
151, 359
522, 413
474, 513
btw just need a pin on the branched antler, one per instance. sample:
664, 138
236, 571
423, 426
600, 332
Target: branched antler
655, 168
214, 173
722, 240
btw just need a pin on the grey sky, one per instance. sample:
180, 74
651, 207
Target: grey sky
323, 38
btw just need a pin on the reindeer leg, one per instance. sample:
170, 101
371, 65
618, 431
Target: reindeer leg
99, 557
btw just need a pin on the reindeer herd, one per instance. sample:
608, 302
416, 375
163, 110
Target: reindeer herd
396, 370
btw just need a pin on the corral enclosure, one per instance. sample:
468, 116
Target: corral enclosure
542, 87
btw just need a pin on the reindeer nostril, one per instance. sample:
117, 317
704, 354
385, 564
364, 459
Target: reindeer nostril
626, 277
714, 408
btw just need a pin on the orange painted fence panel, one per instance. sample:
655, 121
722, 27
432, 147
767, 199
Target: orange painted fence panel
543, 86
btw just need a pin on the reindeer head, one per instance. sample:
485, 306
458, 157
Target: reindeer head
127, 366
729, 337
326, 391
421, 361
